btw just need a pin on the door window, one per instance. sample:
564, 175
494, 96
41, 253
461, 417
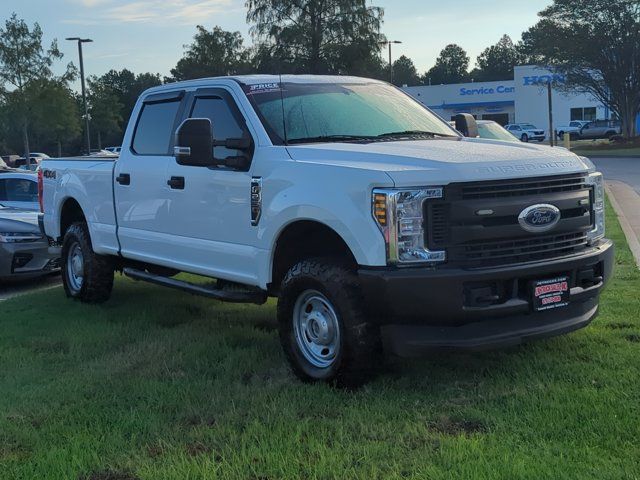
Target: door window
154, 130
225, 123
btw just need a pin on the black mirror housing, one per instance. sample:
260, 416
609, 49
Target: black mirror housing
194, 143
467, 125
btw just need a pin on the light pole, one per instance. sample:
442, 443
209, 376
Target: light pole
84, 92
389, 42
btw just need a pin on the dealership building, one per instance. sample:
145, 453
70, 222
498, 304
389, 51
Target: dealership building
521, 100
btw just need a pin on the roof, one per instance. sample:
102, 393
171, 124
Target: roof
258, 79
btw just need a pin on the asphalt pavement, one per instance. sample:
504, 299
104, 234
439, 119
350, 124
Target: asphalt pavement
622, 169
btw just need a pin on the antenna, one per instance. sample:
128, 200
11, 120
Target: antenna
284, 123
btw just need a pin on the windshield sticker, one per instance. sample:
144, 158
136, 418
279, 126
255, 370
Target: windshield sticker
263, 88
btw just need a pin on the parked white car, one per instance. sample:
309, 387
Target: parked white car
526, 132
113, 149
370, 219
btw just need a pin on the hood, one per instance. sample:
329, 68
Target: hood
443, 161
17, 220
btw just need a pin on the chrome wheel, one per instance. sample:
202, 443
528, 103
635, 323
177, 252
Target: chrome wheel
316, 328
75, 267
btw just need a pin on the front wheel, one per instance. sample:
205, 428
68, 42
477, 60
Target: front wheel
524, 137
85, 275
324, 331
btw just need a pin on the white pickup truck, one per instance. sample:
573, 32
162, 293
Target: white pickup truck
373, 221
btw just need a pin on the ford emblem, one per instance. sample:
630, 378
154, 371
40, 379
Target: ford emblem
539, 218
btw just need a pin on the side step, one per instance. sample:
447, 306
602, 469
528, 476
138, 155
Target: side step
227, 295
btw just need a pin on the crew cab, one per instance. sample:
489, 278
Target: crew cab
371, 220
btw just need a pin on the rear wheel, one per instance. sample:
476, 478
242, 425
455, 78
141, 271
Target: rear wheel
86, 275
524, 137
324, 331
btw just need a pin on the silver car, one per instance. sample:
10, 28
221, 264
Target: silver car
24, 251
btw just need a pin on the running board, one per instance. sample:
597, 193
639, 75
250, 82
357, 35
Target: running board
236, 296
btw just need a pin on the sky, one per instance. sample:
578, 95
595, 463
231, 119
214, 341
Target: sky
149, 36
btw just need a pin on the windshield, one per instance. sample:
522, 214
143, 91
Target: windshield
328, 112
495, 132
528, 126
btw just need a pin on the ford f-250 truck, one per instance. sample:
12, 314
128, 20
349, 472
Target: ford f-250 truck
373, 221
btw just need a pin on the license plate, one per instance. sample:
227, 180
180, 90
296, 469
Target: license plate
551, 293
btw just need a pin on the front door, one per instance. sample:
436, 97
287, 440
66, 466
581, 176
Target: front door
210, 207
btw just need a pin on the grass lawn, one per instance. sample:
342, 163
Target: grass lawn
157, 384
604, 148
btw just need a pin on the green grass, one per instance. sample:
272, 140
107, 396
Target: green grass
605, 148
157, 384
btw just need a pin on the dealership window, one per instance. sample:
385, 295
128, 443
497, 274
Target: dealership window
587, 114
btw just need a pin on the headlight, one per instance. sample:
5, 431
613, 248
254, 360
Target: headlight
400, 216
17, 237
597, 188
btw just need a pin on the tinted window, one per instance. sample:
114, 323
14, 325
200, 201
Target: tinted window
224, 123
155, 128
18, 190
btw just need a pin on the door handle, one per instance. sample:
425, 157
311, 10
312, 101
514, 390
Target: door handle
177, 183
124, 179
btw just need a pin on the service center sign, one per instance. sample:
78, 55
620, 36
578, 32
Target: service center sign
551, 293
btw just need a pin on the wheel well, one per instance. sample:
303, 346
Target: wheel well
71, 213
305, 239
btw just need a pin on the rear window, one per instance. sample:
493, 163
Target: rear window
18, 190
155, 128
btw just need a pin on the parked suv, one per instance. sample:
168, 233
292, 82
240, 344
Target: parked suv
526, 132
600, 129
371, 220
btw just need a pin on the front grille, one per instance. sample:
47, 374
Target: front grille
520, 187
505, 252
472, 240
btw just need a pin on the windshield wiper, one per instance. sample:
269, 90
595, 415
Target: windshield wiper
410, 133
329, 138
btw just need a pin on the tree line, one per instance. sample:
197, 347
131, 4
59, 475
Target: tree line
39, 111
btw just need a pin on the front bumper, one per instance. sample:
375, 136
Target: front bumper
26, 260
423, 309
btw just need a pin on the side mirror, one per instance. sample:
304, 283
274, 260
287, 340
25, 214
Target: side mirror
194, 143
466, 124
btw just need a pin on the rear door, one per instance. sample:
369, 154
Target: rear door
211, 207
140, 188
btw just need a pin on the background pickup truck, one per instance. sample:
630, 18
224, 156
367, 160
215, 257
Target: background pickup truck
371, 219
600, 129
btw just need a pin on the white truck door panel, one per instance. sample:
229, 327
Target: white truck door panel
141, 190
211, 216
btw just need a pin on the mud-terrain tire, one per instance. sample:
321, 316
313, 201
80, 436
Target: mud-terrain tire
86, 275
324, 330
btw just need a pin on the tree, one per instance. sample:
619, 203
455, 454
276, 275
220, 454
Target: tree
116, 93
105, 110
23, 60
404, 72
596, 44
451, 67
316, 36
55, 116
212, 53
496, 62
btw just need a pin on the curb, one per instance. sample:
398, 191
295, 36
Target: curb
632, 238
